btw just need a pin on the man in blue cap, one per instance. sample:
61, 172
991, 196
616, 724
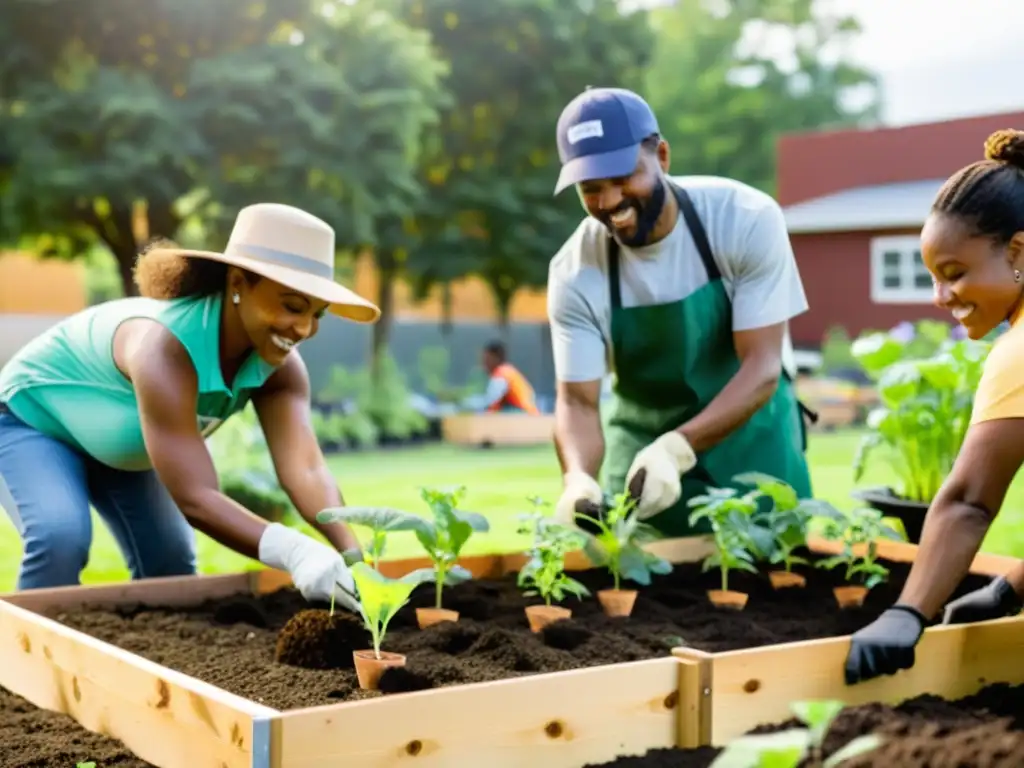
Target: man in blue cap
683, 287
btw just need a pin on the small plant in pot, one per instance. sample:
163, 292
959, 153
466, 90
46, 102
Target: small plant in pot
617, 545
730, 516
543, 574
380, 520
787, 521
380, 598
443, 539
858, 529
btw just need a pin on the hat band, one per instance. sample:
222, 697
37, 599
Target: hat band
286, 259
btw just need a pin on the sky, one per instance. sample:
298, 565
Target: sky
943, 58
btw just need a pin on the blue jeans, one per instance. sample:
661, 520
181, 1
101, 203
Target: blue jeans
52, 485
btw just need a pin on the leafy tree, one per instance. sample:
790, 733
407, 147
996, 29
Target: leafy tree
728, 78
492, 164
128, 117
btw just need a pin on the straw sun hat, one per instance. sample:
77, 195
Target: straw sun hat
293, 248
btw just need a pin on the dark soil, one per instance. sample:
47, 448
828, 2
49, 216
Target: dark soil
282, 652
981, 731
35, 738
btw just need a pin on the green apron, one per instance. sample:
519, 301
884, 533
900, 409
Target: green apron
671, 360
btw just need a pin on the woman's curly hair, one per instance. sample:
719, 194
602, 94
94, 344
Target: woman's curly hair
161, 272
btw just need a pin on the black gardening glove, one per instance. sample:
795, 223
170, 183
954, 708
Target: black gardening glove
990, 602
885, 646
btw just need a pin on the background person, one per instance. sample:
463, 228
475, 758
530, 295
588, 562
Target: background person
112, 405
973, 245
684, 287
507, 388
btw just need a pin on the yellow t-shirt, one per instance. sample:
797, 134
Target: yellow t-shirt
1000, 392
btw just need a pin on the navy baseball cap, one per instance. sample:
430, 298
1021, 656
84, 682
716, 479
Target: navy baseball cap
599, 135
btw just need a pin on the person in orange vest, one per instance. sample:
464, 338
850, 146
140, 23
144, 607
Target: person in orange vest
507, 389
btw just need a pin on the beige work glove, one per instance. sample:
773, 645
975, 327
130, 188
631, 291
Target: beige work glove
664, 461
579, 486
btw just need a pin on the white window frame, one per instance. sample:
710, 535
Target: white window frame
907, 246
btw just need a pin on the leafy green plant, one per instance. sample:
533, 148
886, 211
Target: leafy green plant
544, 573
618, 544
926, 402
796, 746
380, 598
730, 516
859, 527
380, 520
444, 537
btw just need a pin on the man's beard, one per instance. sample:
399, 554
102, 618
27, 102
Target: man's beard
646, 216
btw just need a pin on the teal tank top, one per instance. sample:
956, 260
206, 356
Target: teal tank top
65, 384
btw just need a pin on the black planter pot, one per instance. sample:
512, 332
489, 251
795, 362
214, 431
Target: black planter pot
885, 500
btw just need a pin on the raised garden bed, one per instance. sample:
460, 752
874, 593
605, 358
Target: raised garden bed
200, 686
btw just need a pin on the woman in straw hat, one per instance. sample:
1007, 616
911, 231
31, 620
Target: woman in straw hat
112, 405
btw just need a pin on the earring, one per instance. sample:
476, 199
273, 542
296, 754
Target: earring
235, 298
1016, 275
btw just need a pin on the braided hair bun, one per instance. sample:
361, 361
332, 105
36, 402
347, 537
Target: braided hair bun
1006, 146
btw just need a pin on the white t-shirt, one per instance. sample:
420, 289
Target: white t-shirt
749, 241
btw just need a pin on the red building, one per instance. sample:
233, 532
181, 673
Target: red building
855, 202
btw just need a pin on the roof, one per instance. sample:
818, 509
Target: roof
881, 206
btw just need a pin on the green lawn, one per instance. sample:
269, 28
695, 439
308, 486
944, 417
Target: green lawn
498, 483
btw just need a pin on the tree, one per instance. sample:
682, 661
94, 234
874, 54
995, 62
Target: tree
493, 164
728, 78
160, 111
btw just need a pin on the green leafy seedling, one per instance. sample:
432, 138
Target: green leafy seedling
380, 598
544, 573
792, 747
444, 537
733, 529
90, 764
861, 526
618, 544
380, 520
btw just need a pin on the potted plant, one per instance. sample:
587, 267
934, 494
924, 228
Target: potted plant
861, 527
731, 517
443, 539
617, 545
543, 574
926, 382
380, 598
787, 520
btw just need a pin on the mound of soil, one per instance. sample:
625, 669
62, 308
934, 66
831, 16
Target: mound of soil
35, 738
981, 731
280, 651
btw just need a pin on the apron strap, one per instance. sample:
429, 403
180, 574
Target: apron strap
700, 239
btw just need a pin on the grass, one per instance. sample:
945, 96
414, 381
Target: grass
498, 483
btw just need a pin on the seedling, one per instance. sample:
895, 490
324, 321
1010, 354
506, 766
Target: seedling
730, 516
618, 546
380, 520
787, 522
380, 599
796, 746
861, 527
544, 572
444, 537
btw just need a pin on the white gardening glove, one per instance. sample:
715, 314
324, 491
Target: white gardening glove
578, 486
317, 570
663, 462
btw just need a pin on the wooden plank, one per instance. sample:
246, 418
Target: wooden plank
497, 429
903, 552
695, 684
169, 592
550, 721
163, 716
756, 686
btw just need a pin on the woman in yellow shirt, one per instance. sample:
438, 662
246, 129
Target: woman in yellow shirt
973, 245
